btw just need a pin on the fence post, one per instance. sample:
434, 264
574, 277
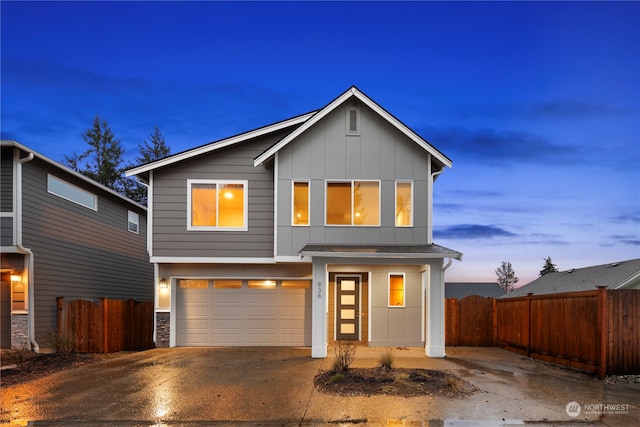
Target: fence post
105, 325
528, 324
494, 321
602, 330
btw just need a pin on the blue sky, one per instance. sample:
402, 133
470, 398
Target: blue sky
537, 104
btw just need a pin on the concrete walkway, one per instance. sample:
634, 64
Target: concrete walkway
187, 386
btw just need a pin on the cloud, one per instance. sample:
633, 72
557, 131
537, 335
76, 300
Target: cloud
631, 217
471, 231
624, 239
501, 147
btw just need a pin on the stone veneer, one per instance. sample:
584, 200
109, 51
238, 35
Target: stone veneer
163, 326
19, 330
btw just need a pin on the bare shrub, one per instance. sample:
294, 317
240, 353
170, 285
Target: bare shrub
386, 361
345, 352
19, 356
62, 344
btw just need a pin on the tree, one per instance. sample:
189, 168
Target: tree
548, 267
506, 276
101, 162
150, 151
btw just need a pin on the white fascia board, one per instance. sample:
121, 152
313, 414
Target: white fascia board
371, 104
628, 281
210, 260
364, 255
220, 144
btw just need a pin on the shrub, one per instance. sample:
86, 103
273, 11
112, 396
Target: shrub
345, 354
62, 344
386, 361
19, 356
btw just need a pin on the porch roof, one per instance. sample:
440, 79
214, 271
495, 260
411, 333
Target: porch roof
380, 251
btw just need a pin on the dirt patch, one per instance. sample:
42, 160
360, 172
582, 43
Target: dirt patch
402, 382
36, 366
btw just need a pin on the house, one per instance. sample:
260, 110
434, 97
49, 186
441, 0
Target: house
62, 235
460, 290
306, 231
617, 275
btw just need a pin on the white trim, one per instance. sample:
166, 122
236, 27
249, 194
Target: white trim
220, 144
210, 260
52, 178
293, 211
150, 214
6, 214
216, 182
353, 91
137, 222
404, 289
276, 186
292, 259
395, 210
352, 182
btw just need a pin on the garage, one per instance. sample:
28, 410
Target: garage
224, 312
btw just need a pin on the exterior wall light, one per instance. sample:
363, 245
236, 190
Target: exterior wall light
163, 283
16, 278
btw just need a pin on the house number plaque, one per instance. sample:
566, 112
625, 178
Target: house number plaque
319, 289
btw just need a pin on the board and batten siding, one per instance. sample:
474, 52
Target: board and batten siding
80, 253
170, 235
326, 152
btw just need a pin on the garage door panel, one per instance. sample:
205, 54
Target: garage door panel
238, 317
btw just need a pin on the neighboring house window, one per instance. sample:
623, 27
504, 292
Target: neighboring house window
396, 289
71, 193
217, 205
18, 296
133, 222
404, 204
353, 203
300, 212
353, 121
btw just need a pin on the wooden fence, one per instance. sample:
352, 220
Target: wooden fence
596, 331
106, 326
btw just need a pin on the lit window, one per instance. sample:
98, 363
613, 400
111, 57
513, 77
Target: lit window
353, 121
396, 290
18, 295
227, 284
217, 205
300, 203
404, 202
133, 222
71, 193
193, 283
261, 284
353, 203
296, 284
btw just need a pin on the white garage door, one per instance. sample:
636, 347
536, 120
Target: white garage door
243, 313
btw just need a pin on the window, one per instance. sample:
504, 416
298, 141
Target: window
296, 284
404, 204
353, 121
261, 284
71, 193
217, 205
194, 283
353, 203
396, 290
227, 284
18, 295
133, 222
300, 212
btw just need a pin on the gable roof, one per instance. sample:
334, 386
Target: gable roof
460, 290
299, 124
14, 144
354, 92
613, 275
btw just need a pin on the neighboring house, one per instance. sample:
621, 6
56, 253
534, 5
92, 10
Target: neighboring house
313, 229
461, 290
62, 235
617, 275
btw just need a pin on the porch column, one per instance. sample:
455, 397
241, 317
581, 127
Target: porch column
319, 309
434, 345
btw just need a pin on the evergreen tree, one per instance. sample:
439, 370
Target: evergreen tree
154, 149
506, 276
548, 267
101, 162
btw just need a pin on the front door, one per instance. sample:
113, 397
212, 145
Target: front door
348, 308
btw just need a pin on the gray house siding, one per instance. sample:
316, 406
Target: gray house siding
79, 252
379, 152
6, 197
170, 235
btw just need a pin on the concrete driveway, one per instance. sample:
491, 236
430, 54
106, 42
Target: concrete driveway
204, 386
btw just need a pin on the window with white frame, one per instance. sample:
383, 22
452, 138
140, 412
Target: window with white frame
404, 204
396, 290
133, 222
353, 121
353, 203
300, 203
72, 193
217, 205
18, 294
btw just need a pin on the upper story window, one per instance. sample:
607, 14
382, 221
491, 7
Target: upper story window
353, 203
133, 222
217, 205
353, 121
404, 204
71, 193
300, 208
